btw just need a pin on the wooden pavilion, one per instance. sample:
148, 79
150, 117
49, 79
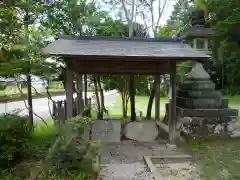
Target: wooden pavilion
111, 55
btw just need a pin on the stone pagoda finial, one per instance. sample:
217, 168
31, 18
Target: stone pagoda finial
198, 18
199, 34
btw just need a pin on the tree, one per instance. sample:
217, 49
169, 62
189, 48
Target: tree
22, 55
224, 18
120, 83
146, 10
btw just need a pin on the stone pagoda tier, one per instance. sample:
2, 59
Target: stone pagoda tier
198, 100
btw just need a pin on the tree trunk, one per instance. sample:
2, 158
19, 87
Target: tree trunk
103, 108
124, 112
132, 98
150, 101
100, 115
126, 103
29, 92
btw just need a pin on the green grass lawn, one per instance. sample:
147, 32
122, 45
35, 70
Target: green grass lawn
234, 100
14, 95
216, 159
115, 110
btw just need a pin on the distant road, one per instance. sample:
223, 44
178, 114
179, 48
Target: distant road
40, 105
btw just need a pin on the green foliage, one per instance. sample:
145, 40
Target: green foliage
3, 86
232, 91
162, 92
72, 17
70, 152
15, 133
164, 32
179, 19
22, 40
224, 18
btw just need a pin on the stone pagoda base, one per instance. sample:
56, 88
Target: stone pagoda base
202, 111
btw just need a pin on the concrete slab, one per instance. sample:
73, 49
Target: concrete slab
144, 131
177, 167
106, 131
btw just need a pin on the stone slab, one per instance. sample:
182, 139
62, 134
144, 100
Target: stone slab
202, 103
198, 94
207, 112
197, 85
155, 162
106, 131
236, 134
145, 131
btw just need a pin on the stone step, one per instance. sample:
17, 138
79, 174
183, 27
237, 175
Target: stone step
207, 112
198, 94
197, 85
203, 103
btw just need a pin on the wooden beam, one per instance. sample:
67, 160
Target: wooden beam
172, 112
79, 94
157, 98
119, 67
69, 93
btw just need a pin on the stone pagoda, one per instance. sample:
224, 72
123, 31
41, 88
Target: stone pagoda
206, 110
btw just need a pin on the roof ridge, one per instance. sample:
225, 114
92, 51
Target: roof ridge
115, 38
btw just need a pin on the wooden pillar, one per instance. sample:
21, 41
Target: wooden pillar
85, 90
172, 110
79, 94
69, 93
157, 98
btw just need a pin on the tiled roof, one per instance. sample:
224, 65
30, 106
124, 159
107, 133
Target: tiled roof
86, 46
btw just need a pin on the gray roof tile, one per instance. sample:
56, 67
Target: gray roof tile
78, 47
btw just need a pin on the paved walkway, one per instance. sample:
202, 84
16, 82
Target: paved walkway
41, 105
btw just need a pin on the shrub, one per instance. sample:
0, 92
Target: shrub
14, 137
3, 86
70, 152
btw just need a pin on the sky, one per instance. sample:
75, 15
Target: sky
167, 12
165, 16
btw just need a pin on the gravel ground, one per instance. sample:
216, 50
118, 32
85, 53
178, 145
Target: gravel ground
129, 152
117, 171
124, 161
180, 172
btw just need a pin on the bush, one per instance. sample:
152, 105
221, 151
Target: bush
70, 153
14, 137
3, 86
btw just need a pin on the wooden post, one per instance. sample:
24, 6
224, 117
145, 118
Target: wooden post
85, 89
157, 98
79, 94
69, 93
172, 110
